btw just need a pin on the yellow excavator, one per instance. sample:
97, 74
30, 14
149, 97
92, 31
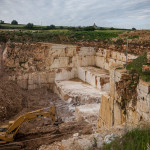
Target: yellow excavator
8, 132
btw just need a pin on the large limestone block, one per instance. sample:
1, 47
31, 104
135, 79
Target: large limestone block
112, 62
60, 62
65, 73
100, 61
144, 86
78, 92
85, 60
143, 106
106, 66
81, 74
119, 118
85, 51
88, 112
71, 51
101, 52
114, 55
96, 77
105, 118
57, 50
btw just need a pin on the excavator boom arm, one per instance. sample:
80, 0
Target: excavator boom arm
15, 125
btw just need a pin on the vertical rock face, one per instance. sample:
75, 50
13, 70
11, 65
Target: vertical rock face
105, 118
43, 64
128, 100
98, 78
40, 64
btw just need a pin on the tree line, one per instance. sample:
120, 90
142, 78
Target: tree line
31, 26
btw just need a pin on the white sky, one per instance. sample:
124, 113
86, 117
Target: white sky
105, 13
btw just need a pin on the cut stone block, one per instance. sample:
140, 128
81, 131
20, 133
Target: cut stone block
97, 77
88, 112
77, 92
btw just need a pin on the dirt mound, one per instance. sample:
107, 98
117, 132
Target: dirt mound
12, 99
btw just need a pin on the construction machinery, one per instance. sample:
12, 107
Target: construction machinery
8, 132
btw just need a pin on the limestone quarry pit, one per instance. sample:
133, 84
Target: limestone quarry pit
86, 85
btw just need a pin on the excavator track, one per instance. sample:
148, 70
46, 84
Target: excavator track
22, 144
11, 146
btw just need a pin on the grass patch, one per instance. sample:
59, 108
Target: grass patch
133, 37
137, 139
136, 67
59, 36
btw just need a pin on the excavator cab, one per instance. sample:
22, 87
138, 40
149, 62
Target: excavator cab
7, 132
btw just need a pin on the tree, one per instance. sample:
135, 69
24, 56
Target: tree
61, 27
133, 28
112, 28
1, 22
52, 26
89, 28
29, 26
14, 22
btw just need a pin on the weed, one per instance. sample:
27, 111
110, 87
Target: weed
137, 139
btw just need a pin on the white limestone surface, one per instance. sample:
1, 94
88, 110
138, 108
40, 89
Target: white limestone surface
97, 77
77, 92
87, 112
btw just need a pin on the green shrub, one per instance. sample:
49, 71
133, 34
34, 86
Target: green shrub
136, 66
137, 139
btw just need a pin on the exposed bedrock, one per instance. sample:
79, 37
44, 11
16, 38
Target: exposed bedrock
81, 76
37, 65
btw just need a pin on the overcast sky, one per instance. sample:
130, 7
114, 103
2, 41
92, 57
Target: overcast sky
105, 13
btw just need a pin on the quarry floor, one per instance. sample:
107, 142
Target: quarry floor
77, 112
35, 133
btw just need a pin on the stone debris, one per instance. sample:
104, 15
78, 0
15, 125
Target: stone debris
86, 142
146, 68
109, 138
88, 112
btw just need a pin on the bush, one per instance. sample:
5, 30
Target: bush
90, 28
134, 29
29, 26
1, 22
14, 22
137, 139
52, 27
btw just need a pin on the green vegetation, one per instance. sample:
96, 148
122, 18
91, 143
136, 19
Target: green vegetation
137, 139
29, 26
133, 37
136, 67
14, 25
59, 36
14, 22
133, 28
51, 27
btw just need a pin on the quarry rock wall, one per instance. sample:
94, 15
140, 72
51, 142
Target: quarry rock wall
44, 64
37, 65
128, 100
